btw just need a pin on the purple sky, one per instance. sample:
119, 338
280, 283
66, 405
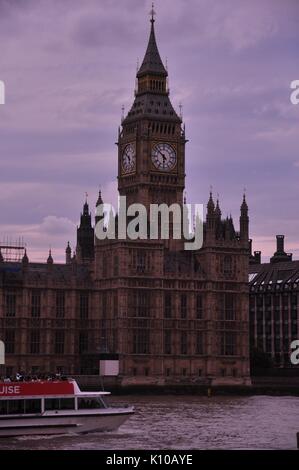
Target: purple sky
69, 67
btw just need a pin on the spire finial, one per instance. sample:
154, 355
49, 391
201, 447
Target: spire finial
153, 14
86, 197
244, 206
152, 63
122, 113
181, 110
211, 205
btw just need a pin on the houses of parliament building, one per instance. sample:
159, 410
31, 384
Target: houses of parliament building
170, 315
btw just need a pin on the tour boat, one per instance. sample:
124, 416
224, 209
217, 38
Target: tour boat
55, 407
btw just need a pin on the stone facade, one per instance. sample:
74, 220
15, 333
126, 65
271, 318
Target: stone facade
171, 315
274, 306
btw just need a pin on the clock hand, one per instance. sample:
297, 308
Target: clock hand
161, 153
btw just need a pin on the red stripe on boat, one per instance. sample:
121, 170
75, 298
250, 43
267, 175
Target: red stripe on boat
14, 389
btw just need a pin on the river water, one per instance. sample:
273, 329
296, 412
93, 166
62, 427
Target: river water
187, 422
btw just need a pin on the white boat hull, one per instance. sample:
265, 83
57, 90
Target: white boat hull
106, 420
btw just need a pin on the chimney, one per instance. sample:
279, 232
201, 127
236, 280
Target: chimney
280, 243
280, 254
257, 257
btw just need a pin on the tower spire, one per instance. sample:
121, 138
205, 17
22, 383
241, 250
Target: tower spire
25, 259
50, 258
211, 205
85, 236
152, 63
68, 253
217, 209
153, 13
244, 220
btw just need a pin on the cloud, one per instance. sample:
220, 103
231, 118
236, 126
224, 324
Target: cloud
53, 232
70, 66
56, 225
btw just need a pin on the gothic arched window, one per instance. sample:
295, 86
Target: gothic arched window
227, 265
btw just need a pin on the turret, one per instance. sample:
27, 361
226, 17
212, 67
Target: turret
218, 211
211, 213
85, 236
50, 259
25, 260
244, 221
68, 254
99, 203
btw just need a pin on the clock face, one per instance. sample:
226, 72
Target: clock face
163, 157
129, 158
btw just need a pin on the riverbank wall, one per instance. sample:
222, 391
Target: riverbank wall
258, 386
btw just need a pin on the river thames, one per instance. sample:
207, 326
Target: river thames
187, 422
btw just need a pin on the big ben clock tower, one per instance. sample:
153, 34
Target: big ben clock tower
166, 311
151, 143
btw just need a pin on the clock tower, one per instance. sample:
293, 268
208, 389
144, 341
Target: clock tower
151, 141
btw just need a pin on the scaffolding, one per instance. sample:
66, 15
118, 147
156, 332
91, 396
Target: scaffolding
12, 252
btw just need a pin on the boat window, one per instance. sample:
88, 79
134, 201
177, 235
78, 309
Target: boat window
59, 404
15, 407
91, 403
33, 406
67, 403
3, 407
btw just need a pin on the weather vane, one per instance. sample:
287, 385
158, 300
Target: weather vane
152, 13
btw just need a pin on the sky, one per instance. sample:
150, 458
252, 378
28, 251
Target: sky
70, 66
